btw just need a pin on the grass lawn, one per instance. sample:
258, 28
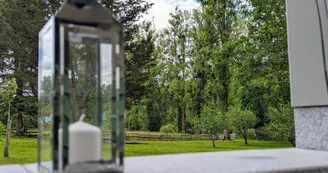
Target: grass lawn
24, 150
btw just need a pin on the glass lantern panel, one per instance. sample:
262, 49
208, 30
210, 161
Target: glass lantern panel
106, 92
46, 70
111, 93
83, 77
90, 75
92, 68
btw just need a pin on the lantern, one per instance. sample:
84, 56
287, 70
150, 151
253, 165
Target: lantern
81, 90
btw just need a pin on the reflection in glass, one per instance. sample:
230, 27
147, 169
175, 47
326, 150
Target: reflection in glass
45, 93
83, 78
83, 52
106, 90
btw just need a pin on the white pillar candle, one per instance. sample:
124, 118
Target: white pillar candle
84, 142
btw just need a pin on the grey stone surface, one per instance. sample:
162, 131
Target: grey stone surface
13, 168
291, 160
311, 128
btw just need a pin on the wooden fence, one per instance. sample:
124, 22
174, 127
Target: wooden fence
171, 137
29, 133
133, 136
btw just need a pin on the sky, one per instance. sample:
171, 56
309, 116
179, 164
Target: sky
162, 8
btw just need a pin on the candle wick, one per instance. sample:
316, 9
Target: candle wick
82, 117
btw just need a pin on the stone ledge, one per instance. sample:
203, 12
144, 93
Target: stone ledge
257, 161
311, 126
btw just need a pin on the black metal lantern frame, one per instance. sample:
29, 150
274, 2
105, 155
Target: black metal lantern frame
74, 23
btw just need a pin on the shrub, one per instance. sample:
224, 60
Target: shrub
281, 123
251, 134
241, 121
168, 128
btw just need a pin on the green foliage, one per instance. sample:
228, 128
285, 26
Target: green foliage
241, 121
2, 127
222, 55
251, 134
137, 118
212, 121
8, 90
30, 122
168, 128
20, 23
139, 60
262, 58
195, 127
281, 123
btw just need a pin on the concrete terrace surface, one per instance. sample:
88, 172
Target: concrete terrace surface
255, 161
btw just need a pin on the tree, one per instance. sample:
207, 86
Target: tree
19, 43
139, 60
264, 72
139, 45
212, 122
176, 45
281, 123
128, 12
215, 21
7, 92
212, 54
241, 121
137, 117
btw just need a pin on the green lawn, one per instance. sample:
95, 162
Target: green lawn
24, 150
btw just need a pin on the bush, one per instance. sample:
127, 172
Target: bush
241, 121
30, 122
281, 123
168, 128
251, 134
137, 118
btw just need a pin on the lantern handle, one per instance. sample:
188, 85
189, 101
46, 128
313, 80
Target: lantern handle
82, 117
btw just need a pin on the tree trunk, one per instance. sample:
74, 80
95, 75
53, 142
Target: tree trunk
184, 116
19, 99
213, 137
19, 125
180, 119
6, 149
245, 136
73, 86
226, 135
183, 124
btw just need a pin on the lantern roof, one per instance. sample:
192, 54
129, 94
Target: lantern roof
91, 13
